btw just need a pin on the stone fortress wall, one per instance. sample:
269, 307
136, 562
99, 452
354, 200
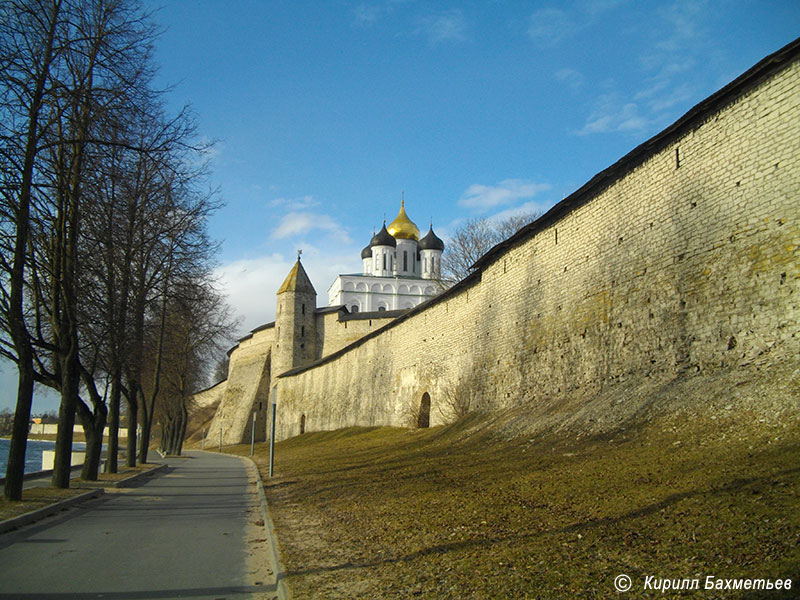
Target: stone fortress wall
681, 257
246, 390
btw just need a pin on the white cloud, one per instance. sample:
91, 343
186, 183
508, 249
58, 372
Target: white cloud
523, 209
483, 198
294, 204
613, 114
251, 284
682, 94
548, 26
445, 27
570, 77
594, 7
678, 40
301, 223
366, 15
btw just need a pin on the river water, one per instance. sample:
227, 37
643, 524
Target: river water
33, 453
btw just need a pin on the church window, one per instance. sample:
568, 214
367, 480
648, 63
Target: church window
384, 262
424, 264
302, 331
377, 264
303, 308
354, 309
381, 308
405, 260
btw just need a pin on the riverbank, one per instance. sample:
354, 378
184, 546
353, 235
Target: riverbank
33, 453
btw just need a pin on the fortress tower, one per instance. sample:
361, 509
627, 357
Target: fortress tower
295, 323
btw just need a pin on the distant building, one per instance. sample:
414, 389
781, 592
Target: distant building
399, 270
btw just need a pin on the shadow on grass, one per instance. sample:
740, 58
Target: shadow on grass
736, 485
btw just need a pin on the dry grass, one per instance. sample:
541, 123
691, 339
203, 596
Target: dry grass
457, 512
34, 499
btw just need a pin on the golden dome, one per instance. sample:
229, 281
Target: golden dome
402, 227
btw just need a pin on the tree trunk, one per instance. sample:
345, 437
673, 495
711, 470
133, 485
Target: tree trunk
113, 421
93, 425
182, 433
147, 421
15, 469
173, 437
133, 418
66, 423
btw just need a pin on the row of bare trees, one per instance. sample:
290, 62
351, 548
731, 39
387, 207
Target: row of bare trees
105, 260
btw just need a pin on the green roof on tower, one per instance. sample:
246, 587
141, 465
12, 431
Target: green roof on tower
297, 280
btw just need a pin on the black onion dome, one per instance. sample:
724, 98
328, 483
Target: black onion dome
431, 241
366, 252
383, 238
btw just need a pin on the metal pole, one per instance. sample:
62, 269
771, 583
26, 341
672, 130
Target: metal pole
253, 435
272, 442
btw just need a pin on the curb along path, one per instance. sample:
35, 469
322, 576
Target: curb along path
56, 507
194, 531
275, 560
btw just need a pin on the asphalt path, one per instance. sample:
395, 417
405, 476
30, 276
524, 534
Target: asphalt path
191, 532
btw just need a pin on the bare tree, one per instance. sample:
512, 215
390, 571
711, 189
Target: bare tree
221, 369
82, 136
198, 325
29, 48
459, 398
104, 80
475, 238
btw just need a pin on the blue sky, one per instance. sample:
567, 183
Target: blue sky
325, 112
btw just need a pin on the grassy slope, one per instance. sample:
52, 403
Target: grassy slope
463, 511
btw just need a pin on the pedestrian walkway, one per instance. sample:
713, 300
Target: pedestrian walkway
193, 532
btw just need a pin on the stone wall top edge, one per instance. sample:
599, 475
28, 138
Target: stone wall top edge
250, 336
211, 387
449, 294
690, 121
376, 314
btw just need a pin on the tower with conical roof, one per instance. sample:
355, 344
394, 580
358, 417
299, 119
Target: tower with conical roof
295, 322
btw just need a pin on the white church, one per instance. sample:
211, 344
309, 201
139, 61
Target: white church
400, 270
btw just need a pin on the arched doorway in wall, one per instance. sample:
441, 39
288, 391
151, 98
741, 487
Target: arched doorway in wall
302, 424
424, 416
